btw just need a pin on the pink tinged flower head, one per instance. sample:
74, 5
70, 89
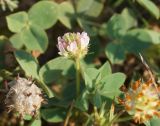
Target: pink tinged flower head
73, 45
142, 101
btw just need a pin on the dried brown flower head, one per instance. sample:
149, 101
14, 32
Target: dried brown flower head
23, 97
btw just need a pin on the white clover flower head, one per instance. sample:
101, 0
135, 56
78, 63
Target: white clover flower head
73, 45
142, 101
23, 97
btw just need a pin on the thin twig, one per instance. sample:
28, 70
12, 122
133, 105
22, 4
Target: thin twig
68, 115
3, 91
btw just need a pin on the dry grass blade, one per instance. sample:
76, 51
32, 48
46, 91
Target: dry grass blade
152, 78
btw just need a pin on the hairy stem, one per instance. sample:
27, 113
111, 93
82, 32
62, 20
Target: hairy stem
77, 76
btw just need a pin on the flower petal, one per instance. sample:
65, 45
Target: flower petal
72, 47
84, 40
61, 48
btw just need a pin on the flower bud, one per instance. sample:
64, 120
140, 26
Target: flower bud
73, 45
23, 97
142, 101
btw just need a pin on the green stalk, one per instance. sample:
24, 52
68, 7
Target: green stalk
77, 76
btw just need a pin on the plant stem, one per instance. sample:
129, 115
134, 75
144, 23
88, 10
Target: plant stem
68, 115
21, 122
45, 88
77, 76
